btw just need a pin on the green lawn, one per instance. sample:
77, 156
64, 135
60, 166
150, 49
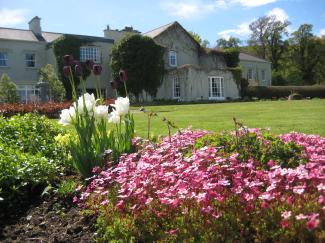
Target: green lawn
306, 116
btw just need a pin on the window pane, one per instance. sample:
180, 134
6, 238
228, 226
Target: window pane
89, 53
30, 60
176, 87
172, 58
3, 59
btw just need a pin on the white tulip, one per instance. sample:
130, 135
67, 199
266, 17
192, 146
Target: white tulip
86, 102
122, 105
114, 117
67, 115
101, 111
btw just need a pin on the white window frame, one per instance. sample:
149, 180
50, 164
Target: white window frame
216, 88
250, 74
263, 75
172, 58
4, 59
32, 60
90, 53
25, 89
176, 88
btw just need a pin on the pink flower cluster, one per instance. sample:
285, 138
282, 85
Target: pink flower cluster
167, 175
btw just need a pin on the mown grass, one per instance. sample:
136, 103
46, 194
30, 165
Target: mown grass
307, 116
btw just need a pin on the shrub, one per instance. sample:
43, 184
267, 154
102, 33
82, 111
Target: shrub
160, 194
56, 91
8, 90
264, 92
259, 145
29, 154
278, 79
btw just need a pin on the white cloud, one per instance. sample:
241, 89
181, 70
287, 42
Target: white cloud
241, 30
279, 14
12, 17
322, 32
253, 3
186, 9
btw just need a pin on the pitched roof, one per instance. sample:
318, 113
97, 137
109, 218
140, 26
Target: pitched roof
247, 57
28, 35
158, 31
155, 32
17, 34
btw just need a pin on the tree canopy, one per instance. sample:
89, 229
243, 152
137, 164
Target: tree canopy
143, 60
197, 37
267, 37
232, 42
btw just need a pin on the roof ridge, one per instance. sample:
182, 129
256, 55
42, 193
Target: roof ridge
14, 29
171, 23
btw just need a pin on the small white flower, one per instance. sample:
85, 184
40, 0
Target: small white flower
122, 105
114, 117
67, 115
101, 111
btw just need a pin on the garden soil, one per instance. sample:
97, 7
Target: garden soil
46, 220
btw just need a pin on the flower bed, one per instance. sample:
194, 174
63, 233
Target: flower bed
176, 190
49, 109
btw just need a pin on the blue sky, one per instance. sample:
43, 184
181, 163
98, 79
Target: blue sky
211, 19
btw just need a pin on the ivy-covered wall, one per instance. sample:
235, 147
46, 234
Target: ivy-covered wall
69, 45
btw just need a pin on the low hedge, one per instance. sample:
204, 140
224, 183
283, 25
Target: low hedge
284, 91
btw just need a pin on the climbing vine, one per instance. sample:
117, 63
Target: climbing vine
231, 56
69, 45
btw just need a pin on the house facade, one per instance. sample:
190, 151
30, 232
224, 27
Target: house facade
256, 70
24, 52
192, 72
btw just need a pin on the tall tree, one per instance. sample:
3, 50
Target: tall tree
197, 37
267, 36
276, 45
232, 42
143, 60
307, 51
259, 35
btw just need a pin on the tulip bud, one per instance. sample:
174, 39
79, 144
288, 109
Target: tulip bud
78, 70
113, 84
97, 69
68, 60
67, 71
90, 64
123, 75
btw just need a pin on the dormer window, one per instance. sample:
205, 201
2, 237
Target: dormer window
89, 53
172, 58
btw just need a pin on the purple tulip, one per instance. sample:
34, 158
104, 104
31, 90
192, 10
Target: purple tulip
67, 71
113, 84
78, 70
68, 60
123, 75
97, 69
90, 64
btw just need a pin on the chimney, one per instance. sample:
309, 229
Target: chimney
35, 25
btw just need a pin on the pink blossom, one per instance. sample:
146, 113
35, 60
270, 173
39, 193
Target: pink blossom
286, 214
312, 224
